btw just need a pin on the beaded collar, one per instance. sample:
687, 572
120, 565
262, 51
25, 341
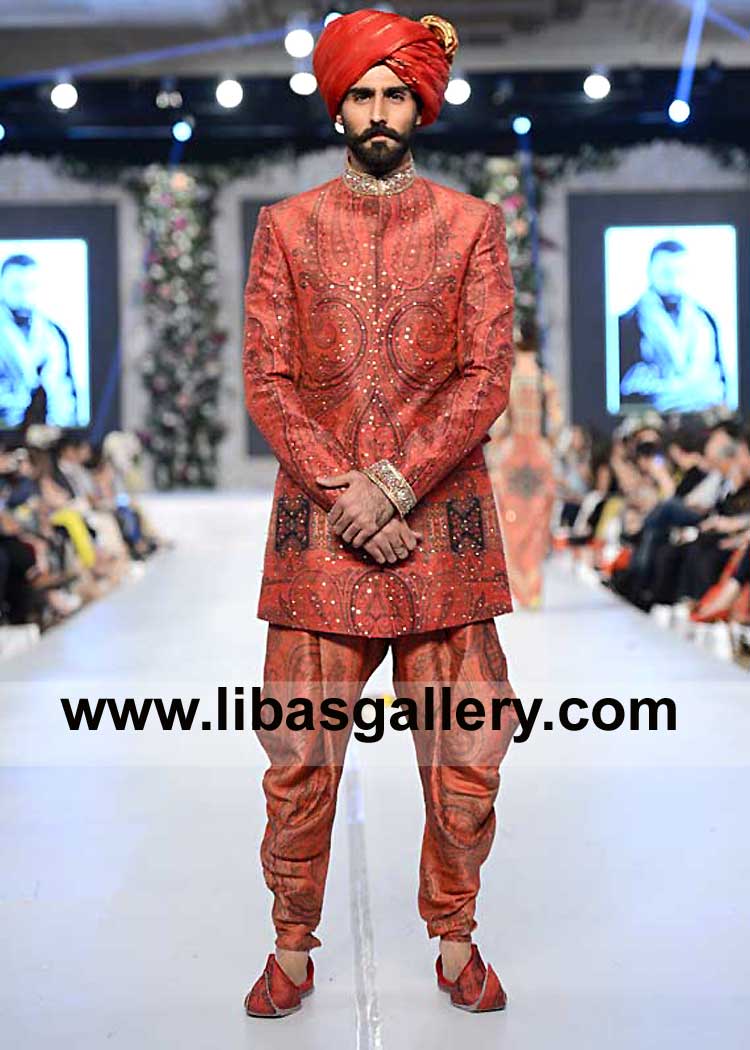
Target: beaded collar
396, 182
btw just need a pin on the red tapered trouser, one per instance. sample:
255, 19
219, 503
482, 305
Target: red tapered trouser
459, 768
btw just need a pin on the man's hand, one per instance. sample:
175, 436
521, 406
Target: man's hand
394, 541
717, 523
361, 510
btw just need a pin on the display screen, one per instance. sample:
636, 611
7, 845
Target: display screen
44, 332
671, 317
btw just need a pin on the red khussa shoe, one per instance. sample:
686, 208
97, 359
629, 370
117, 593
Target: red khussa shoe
275, 994
476, 989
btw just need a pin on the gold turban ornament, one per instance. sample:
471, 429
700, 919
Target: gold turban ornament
445, 32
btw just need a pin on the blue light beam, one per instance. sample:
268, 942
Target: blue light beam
105, 65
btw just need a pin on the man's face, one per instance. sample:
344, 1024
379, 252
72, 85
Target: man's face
721, 451
19, 286
668, 273
743, 458
379, 114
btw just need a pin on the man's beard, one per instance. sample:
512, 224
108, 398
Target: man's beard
381, 157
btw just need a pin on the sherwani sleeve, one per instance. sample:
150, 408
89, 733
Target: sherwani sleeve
463, 411
270, 364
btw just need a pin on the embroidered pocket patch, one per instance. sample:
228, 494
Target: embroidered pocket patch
465, 524
292, 523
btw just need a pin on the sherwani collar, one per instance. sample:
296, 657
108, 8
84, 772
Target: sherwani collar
363, 183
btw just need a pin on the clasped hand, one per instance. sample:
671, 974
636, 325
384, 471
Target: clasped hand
365, 517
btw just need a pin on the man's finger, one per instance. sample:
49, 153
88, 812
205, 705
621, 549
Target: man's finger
362, 537
333, 480
343, 522
335, 513
350, 532
373, 548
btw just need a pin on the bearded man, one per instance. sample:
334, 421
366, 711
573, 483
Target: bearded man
377, 354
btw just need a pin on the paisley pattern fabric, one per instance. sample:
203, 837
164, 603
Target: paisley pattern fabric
380, 328
458, 768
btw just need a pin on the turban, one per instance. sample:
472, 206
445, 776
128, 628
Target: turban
419, 53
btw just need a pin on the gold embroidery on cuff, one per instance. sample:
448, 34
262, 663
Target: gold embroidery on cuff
393, 484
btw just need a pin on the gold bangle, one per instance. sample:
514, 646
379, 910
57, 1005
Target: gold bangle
393, 484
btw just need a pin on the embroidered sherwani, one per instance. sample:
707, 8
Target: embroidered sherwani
378, 335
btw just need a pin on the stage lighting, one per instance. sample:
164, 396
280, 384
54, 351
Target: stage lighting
522, 125
299, 43
64, 96
182, 130
597, 86
229, 93
679, 111
331, 17
2, 132
168, 99
303, 83
458, 91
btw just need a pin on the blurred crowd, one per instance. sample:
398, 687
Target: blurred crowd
71, 525
662, 512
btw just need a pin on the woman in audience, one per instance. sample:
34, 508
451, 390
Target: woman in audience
521, 467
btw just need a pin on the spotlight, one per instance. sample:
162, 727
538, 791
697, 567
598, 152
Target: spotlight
522, 125
182, 130
64, 96
457, 91
2, 132
679, 111
303, 83
331, 17
229, 93
299, 43
597, 86
168, 99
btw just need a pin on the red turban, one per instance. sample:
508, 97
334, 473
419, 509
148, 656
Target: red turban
419, 53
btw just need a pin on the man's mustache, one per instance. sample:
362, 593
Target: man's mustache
379, 131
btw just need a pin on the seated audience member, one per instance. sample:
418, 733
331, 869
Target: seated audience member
598, 504
111, 494
687, 489
72, 462
685, 570
17, 559
573, 472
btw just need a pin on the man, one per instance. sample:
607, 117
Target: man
669, 344
34, 353
377, 354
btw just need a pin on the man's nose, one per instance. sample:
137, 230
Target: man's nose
377, 113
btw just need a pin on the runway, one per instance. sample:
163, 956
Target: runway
614, 904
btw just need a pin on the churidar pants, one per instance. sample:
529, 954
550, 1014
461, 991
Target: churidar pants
459, 769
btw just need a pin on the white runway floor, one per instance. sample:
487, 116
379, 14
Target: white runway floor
615, 904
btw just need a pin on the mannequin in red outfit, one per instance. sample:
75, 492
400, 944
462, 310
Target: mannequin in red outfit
377, 354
